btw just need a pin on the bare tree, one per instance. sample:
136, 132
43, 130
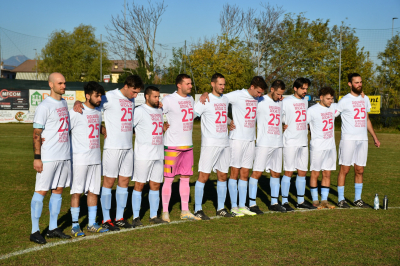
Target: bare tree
268, 24
140, 28
231, 18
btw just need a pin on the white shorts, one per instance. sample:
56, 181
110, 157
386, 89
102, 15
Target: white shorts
323, 160
295, 158
242, 153
146, 170
214, 158
117, 163
353, 152
55, 174
268, 158
86, 178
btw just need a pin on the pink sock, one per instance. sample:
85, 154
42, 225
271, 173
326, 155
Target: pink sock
166, 192
184, 191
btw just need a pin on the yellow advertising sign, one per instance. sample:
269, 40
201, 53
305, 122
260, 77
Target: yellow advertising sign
80, 96
375, 101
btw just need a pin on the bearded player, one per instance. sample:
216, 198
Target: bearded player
178, 153
148, 155
86, 158
295, 143
321, 118
118, 106
268, 152
215, 151
52, 158
353, 147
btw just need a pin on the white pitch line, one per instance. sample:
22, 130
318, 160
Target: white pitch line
62, 242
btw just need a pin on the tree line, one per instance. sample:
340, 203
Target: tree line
262, 41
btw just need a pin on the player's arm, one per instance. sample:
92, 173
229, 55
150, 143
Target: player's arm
103, 131
372, 132
204, 97
37, 145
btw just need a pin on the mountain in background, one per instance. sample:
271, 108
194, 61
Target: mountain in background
15, 60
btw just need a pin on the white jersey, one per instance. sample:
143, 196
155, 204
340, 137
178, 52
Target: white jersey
179, 113
148, 123
322, 126
53, 115
214, 116
353, 111
118, 117
244, 112
294, 113
85, 136
269, 123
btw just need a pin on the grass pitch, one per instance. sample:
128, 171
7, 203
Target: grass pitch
351, 237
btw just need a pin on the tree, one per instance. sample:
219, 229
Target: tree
229, 57
311, 49
140, 29
141, 70
175, 67
389, 71
76, 55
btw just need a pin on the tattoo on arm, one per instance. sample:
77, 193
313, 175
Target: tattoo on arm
37, 140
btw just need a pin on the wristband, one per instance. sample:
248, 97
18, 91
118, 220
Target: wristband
38, 156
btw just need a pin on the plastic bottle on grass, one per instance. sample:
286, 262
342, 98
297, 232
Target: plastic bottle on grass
376, 202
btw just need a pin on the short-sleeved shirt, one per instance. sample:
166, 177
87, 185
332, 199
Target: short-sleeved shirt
180, 115
54, 116
294, 113
214, 116
269, 123
353, 111
244, 112
85, 136
118, 118
148, 123
322, 126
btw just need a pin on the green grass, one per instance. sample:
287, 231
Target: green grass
350, 237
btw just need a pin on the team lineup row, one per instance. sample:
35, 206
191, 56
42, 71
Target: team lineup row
67, 148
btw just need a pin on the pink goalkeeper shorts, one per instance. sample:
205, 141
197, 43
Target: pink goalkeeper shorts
178, 161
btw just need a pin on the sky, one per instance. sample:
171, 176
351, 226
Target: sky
183, 20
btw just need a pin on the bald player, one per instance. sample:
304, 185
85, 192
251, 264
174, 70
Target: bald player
52, 158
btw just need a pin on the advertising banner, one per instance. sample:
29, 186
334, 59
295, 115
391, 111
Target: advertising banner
16, 116
37, 96
14, 99
80, 96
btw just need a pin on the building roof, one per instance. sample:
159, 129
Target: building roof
28, 66
118, 65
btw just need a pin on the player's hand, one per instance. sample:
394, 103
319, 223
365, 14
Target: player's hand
204, 97
166, 126
38, 165
285, 127
232, 126
78, 107
377, 143
104, 131
160, 105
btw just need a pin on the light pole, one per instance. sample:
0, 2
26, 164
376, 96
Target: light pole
36, 63
393, 24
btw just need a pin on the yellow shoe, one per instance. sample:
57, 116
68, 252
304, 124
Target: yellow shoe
165, 217
327, 205
187, 215
316, 203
